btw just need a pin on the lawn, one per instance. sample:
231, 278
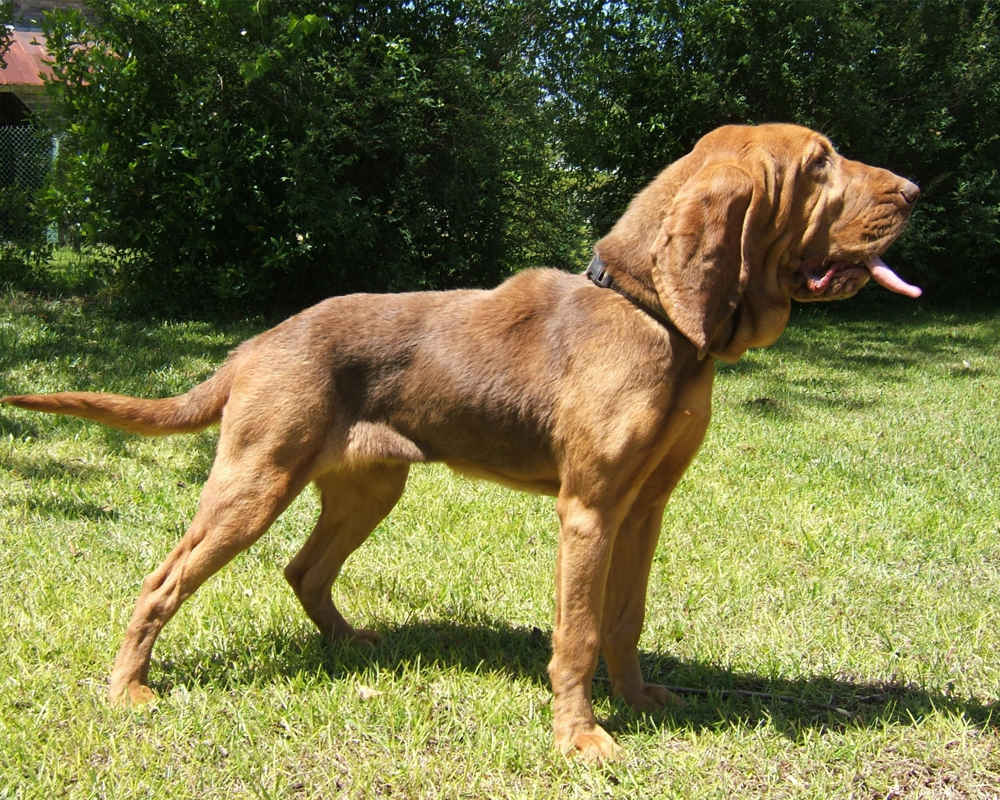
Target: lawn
826, 592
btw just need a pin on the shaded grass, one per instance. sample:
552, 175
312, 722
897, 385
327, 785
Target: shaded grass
828, 580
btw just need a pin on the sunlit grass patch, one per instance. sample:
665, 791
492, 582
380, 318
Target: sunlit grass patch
825, 593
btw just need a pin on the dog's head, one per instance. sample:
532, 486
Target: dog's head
752, 218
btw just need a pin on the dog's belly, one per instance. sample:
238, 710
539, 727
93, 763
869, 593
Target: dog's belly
514, 459
546, 482
516, 454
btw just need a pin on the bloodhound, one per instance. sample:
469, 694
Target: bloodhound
595, 388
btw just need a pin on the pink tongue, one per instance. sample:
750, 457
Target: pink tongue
888, 279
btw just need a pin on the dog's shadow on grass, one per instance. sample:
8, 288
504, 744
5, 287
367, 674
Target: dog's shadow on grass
713, 695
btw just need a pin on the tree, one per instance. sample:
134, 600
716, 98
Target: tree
258, 153
249, 151
6, 28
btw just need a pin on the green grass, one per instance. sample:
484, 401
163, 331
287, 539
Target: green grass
828, 576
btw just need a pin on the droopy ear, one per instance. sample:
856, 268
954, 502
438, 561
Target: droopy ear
700, 255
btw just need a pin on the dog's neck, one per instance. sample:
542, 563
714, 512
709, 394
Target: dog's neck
620, 275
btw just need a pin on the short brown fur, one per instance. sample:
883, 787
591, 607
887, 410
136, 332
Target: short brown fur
547, 383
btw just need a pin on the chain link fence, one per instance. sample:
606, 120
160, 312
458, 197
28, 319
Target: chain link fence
26, 154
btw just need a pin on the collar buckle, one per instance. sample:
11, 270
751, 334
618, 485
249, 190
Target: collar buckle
598, 273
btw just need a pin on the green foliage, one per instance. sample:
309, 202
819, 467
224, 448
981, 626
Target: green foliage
26, 245
58, 271
237, 152
256, 153
6, 18
25, 157
913, 86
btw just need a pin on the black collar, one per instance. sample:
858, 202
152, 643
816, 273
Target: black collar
598, 273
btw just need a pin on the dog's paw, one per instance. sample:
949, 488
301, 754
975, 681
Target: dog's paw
365, 637
589, 742
653, 697
130, 695
352, 635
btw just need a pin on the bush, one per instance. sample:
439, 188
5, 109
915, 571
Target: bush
237, 153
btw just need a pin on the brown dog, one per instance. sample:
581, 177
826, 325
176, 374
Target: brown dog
598, 394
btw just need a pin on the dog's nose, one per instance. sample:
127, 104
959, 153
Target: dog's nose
910, 191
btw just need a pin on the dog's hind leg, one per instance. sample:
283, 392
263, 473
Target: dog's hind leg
240, 500
353, 503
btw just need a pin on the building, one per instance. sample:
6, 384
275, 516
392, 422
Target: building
22, 90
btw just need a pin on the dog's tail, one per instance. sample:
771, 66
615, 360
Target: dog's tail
192, 411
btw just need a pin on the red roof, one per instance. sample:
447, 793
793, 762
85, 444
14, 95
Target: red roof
25, 60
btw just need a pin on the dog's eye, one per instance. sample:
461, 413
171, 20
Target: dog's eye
818, 163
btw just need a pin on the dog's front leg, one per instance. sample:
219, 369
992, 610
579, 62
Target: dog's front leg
625, 610
631, 559
586, 539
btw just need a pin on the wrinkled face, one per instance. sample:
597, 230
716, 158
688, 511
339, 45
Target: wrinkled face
752, 218
852, 213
